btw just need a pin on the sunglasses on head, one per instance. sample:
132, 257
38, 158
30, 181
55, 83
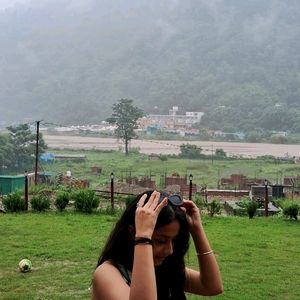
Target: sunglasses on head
174, 199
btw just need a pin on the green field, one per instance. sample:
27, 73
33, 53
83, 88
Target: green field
259, 258
205, 171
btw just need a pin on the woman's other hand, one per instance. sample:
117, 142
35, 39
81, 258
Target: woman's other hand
192, 214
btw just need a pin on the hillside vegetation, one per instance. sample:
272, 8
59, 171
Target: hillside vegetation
69, 61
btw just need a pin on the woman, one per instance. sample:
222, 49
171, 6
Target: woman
144, 255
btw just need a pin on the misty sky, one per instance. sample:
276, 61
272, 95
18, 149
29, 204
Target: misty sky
10, 3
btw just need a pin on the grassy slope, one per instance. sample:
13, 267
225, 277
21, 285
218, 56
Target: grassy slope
258, 258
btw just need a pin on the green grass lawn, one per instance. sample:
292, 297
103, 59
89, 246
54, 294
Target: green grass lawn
259, 258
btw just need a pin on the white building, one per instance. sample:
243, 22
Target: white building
172, 120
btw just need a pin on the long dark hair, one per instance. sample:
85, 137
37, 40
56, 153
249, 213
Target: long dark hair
119, 248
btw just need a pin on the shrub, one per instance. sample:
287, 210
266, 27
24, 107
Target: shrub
214, 207
251, 207
163, 157
135, 150
40, 202
85, 200
62, 200
220, 153
200, 201
291, 209
13, 202
277, 202
242, 204
40, 188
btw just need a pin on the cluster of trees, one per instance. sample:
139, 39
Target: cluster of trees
193, 152
18, 147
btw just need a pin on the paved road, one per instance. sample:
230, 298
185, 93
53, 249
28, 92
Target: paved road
171, 147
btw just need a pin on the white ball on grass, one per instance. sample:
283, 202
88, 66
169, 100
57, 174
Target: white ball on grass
25, 265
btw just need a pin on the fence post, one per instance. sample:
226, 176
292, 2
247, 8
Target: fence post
26, 189
266, 198
112, 190
191, 186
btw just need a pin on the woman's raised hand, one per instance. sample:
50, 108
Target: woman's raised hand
192, 214
146, 214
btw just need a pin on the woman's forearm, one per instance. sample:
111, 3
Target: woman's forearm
143, 284
210, 276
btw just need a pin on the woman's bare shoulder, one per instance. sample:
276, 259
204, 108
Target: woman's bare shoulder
107, 265
108, 283
104, 272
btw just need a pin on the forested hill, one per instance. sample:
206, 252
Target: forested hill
69, 61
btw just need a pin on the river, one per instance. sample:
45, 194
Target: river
171, 147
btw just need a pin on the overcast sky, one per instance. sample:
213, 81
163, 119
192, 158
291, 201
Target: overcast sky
10, 3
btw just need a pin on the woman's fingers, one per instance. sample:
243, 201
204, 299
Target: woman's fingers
163, 203
153, 200
141, 201
153, 203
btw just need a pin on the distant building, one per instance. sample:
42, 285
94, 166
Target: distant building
172, 121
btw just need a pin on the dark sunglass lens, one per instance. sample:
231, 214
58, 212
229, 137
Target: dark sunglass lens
162, 197
175, 199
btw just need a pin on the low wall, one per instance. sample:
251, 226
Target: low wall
227, 193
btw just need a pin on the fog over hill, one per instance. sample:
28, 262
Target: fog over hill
68, 61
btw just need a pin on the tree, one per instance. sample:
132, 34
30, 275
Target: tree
5, 150
190, 151
125, 116
21, 144
220, 153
